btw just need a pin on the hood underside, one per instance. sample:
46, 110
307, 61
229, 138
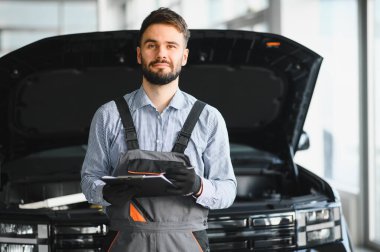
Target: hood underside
49, 90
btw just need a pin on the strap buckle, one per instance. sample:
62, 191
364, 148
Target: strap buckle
130, 134
183, 138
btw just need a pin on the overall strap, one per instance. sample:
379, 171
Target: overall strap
185, 133
129, 127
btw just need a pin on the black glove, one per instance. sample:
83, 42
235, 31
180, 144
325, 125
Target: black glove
185, 180
118, 194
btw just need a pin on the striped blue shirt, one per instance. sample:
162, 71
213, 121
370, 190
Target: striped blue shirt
208, 148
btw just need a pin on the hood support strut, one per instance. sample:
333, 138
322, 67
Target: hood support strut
294, 173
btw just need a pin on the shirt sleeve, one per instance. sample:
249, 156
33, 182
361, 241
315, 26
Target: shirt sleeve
96, 163
219, 183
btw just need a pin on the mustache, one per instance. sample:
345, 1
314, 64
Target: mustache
159, 61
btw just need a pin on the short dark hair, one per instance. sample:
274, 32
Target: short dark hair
165, 16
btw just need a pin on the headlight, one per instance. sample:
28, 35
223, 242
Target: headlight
23, 237
318, 216
17, 229
318, 226
17, 247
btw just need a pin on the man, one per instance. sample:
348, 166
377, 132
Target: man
150, 131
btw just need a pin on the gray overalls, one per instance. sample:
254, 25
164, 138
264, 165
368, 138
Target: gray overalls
164, 223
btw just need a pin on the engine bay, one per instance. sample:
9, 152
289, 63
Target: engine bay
56, 173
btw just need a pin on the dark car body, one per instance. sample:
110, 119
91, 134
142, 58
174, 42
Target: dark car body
262, 83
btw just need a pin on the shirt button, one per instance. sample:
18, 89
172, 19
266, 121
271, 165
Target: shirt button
157, 141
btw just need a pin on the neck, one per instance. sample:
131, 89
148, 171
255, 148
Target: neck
160, 95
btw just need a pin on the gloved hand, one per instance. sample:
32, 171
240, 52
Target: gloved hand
185, 180
118, 194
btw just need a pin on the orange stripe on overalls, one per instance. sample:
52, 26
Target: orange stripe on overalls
135, 214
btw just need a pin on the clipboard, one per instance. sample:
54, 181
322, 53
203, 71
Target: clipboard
149, 185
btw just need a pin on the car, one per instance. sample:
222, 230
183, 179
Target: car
262, 84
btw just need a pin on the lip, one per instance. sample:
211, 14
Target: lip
160, 65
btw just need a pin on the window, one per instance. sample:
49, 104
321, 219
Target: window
333, 118
374, 119
23, 22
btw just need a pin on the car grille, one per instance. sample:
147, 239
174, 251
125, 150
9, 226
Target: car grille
77, 237
253, 232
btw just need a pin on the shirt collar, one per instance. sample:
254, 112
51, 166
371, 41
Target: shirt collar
141, 99
178, 100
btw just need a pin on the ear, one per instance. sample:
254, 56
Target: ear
138, 55
185, 56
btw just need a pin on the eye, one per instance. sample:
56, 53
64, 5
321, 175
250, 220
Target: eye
150, 46
172, 46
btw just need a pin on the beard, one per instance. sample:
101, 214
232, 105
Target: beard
159, 78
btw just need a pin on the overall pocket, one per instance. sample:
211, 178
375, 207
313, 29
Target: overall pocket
138, 213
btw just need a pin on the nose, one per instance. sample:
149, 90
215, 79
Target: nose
161, 52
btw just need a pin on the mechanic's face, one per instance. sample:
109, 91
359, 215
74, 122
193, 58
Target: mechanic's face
162, 53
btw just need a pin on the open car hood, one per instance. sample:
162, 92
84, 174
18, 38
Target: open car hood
49, 90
